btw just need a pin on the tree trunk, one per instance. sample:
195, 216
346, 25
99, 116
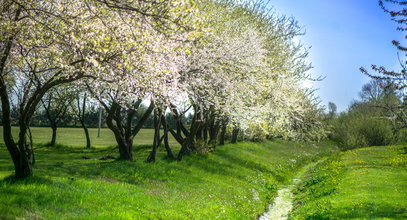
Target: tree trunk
235, 133
24, 166
157, 142
185, 148
188, 144
205, 132
125, 132
125, 152
32, 159
166, 144
54, 135
151, 157
223, 132
21, 165
125, 149
213, 133
88, 145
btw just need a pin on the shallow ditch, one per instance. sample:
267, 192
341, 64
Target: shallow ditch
283, 203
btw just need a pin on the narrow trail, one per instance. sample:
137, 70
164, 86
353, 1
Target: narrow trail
283, 203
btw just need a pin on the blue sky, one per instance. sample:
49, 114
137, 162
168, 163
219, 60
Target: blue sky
344, 35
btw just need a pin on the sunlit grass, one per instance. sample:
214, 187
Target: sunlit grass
365, 183
234, 182
75, 137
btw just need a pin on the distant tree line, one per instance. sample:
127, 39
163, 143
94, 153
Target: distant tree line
91, 118
377, 118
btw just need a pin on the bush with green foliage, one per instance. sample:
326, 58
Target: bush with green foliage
376, 119
362, 126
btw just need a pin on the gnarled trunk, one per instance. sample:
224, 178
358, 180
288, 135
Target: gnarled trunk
123, 130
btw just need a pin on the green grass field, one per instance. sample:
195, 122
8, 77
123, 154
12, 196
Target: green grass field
75, 137
367, 183
234, 182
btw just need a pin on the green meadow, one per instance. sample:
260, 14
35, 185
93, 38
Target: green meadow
236, 181
366, 183
75, 137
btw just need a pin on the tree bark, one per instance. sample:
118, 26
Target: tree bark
82, 120
22, 166
235, 133
223, 132
54, 134
170, 154
85, 129
32, 159
213, 133
125, 132
157, 141
188, 144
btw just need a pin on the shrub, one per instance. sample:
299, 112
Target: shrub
355, 129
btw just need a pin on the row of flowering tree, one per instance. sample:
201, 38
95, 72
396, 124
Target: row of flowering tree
231, 65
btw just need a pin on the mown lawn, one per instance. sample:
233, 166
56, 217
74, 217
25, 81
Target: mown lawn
366, 183
75, 137
234, 182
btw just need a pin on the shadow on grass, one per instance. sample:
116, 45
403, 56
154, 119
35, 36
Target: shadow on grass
29, 180
64, 161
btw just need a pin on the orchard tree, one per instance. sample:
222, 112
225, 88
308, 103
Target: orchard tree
56, 106
46, 44
147, 69
221, 59
79, 106
36, 52
243, 71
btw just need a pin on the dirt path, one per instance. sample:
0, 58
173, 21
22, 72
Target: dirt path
283, 203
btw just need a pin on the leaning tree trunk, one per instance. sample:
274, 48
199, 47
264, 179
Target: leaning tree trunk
188, 145
166, 144
88, 145
81, 116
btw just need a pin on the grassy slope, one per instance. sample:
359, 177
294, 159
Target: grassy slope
365, 183
235, 182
